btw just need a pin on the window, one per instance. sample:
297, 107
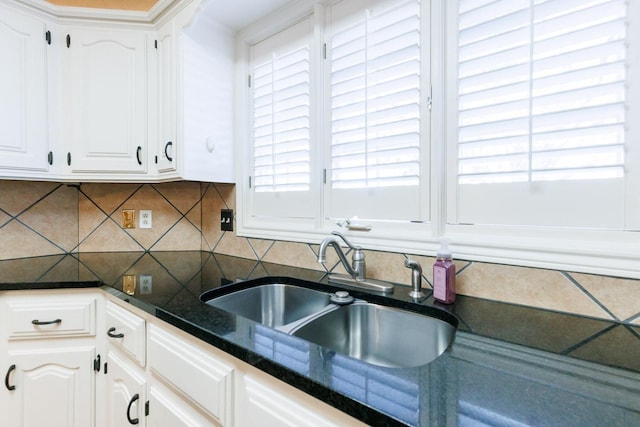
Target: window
281, 133
505, 124
375, 73
541, 113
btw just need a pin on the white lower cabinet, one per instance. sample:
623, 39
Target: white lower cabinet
75, 360
126, 394
53, 387
205, 381
48, 358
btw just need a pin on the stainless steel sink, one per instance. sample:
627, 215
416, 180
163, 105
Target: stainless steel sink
373, 333
379, 335
273, 305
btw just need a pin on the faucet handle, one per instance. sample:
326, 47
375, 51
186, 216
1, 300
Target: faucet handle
339, 234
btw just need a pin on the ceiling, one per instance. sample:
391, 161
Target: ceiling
108, 4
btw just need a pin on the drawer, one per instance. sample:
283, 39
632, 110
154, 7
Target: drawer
126, 331
46, 316
204, 379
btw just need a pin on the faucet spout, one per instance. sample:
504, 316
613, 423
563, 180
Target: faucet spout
357, 269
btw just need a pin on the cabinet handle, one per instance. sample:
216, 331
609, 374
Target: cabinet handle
131, 402
68, 41
50, 157
166, 150
138, 155
46, 322
111, 331
69, 159
6, 378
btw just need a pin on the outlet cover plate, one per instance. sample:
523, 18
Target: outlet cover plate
146, 219
226, 219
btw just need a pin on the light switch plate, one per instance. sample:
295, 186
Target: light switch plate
128, 218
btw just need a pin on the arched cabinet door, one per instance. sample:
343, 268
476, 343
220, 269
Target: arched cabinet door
24, 140
105, 102
50, 387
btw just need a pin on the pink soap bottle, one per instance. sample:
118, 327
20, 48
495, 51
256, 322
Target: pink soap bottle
444, 275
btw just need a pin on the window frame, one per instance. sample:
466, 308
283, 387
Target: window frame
606, 252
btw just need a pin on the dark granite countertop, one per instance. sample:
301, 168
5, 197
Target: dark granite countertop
508, 365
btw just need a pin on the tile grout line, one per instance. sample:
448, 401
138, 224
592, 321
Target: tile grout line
590, 296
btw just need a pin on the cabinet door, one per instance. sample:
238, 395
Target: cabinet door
23, 93
52, 387
106, 122
126, 392
167, 144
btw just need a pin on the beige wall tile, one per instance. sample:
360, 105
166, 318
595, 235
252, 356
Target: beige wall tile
183, 195
20, 242
89, 217
230, 244
108, 197
181, 237
212, 203
260, 246
109, 237
526, 286
56, 217
293, 254
387, 266
16, 196
4, 218
620, 296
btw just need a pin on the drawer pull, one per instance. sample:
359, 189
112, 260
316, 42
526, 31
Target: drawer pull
47, 322
6, 378
131, 402
111, 333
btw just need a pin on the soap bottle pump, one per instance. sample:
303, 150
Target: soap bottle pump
444, 275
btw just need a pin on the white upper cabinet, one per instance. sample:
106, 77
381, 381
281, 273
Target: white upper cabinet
195, 70
24, 140
105, 99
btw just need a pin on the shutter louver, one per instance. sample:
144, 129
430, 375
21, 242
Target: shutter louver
375, 98
281, 121
541, 90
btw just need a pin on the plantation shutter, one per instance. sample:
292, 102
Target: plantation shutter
280, 88
374, 55
541, 112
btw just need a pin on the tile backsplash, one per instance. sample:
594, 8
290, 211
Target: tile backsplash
43, 218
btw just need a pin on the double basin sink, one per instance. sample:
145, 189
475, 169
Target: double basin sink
374, 333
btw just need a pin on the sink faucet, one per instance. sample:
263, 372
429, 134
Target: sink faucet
357, 269
416, 279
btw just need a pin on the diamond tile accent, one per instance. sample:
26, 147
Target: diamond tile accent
45, 218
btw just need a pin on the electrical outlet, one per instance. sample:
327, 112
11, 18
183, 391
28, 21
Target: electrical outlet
146, 219
226, 219
128, 218
146, 282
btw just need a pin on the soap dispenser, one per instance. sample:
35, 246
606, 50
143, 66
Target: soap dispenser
444, 275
